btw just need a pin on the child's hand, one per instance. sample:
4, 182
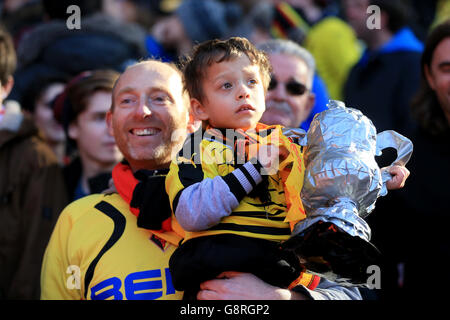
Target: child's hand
270, 157
399, 176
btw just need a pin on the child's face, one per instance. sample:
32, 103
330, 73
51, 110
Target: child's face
233, 95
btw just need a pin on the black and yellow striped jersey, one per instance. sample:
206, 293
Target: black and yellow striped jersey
208, 185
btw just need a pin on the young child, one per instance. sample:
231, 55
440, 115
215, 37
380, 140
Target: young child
234, 216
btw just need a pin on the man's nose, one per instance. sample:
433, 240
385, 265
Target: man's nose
144, 109
278, 93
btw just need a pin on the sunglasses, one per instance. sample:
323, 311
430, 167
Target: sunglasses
293, 87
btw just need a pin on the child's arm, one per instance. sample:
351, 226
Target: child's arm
200, 203
399, 176
204, 203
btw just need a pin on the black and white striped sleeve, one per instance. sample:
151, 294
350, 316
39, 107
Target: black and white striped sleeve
202, 205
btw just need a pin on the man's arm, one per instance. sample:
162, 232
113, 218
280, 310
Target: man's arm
246, 286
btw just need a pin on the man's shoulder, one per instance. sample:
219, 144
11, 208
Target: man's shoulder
86, 205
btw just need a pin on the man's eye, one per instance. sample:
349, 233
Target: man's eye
160, 98
126, 101
446, 69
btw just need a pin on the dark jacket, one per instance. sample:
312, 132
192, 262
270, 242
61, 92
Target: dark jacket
31, 198
382, 83
426, 207
72, 175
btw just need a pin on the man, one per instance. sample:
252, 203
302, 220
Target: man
155, 108
387, 75
149, 105
382, 85
31, 190
289, 100
424, 201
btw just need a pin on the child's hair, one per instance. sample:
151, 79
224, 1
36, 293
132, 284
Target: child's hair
216, 51
8, 60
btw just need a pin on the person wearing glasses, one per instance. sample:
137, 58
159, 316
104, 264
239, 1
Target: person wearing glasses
289, 98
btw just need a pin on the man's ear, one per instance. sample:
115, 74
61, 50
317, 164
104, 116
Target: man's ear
198, 110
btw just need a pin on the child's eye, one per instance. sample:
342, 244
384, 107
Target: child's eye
227, 85
252, 82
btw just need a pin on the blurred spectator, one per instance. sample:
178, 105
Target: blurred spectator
289, 99
382, 85
425, 199
262, 20
130, 11
195, 21
30, 190
82, 110
384, 80
102, 42
38, 101
442, 12
313, 24
423, 15
18, 16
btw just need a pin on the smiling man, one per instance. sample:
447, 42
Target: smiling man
140, 118
97, 251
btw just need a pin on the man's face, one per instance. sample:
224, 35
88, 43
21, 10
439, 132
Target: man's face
356, 15
150, 115
438, 75
170, 33
284, 103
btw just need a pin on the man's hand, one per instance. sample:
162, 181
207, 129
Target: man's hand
399, 176
232, 285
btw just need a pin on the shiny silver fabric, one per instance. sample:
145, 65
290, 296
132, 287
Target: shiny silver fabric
342, 179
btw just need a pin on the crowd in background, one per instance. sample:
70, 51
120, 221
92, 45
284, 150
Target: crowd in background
64, 78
